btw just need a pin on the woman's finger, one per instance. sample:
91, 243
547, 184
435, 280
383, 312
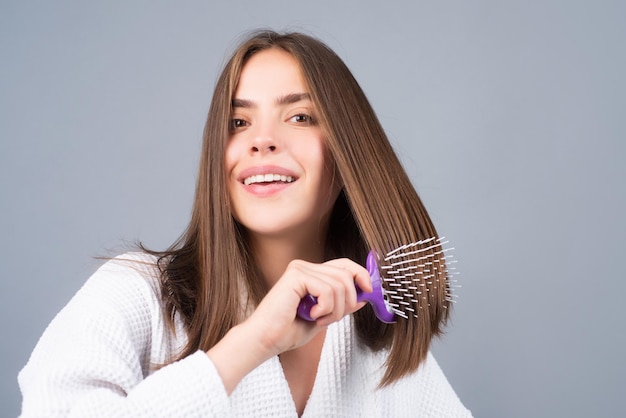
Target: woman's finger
333, 284
360, 275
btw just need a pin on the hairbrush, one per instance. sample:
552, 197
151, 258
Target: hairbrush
402, 280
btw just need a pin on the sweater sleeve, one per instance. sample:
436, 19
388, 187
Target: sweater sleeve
96, 358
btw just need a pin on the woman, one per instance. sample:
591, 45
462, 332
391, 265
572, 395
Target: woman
297, 179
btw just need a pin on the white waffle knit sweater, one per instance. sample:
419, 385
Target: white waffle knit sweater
97, 359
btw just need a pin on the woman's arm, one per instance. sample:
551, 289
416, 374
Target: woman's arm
273, 328
96, 356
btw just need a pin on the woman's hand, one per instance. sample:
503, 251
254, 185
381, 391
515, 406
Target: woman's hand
332, 283
274, 328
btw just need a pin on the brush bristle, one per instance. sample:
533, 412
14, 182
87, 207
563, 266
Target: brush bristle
415, 273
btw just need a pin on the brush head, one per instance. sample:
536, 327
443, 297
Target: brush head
415, 274
403, 282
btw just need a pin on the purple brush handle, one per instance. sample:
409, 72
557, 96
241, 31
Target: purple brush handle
376, 298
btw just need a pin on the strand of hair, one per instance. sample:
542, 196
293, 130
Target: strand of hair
421, 250
412, 244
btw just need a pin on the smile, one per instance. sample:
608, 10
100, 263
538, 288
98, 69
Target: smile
267, 178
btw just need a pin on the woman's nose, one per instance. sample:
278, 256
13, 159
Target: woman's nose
264, 141
263, 147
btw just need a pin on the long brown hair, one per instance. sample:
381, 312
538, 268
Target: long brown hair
206, 272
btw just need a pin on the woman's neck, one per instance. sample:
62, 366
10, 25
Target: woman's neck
273, 254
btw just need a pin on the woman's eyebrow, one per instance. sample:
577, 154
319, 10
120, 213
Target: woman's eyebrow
242, 103
293, 98
282, 100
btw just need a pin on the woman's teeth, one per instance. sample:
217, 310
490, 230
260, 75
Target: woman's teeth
267, 178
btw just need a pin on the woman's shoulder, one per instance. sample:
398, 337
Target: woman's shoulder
111, 334
120, 303
124, 290
131, 264
424, 392
126, 277
428, 390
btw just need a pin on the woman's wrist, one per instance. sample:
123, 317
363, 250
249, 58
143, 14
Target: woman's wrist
237, 354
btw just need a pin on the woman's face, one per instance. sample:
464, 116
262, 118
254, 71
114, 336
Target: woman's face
280, 177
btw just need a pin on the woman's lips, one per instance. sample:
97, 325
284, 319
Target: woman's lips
266, 180
252, 174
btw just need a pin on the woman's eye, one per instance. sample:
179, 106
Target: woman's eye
237, 124
302, 118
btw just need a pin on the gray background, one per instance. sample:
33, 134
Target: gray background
509, 117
